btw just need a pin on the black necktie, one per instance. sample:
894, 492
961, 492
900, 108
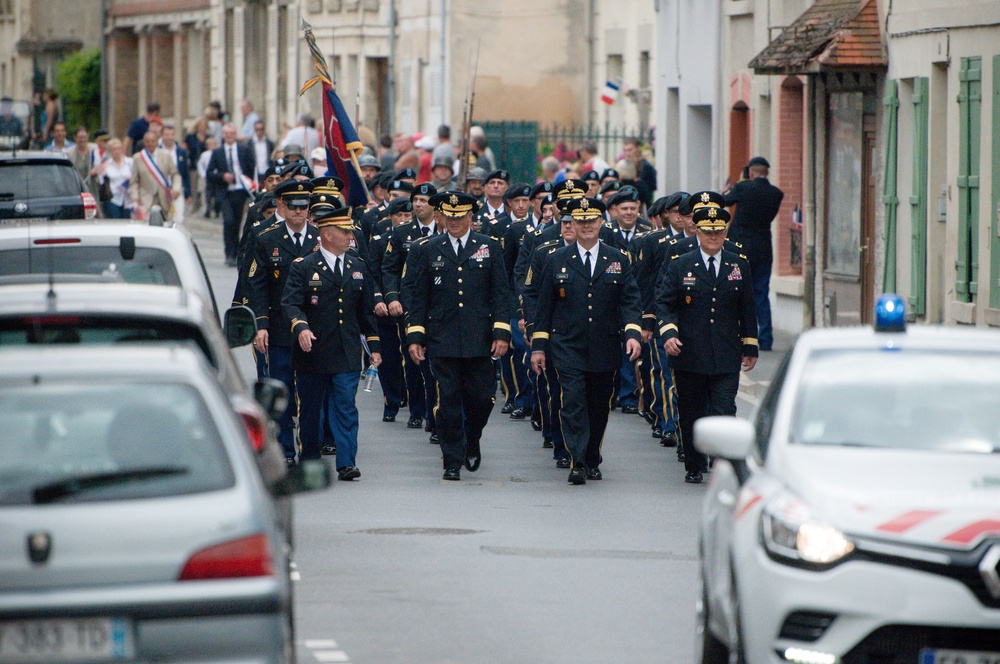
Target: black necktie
588, 265
336, 267
711, 268
459, 250
425, 230
297, 240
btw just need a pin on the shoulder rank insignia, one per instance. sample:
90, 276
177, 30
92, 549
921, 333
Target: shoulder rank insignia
253, 268
298, 259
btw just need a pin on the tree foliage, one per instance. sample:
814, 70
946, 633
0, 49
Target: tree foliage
78, 80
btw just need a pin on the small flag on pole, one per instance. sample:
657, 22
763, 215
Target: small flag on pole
610, 93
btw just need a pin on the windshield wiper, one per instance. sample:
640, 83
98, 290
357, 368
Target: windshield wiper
70, 486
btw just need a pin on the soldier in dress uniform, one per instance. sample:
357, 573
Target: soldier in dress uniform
587, 300
493, 206
391, 329
330, 299
459, 319
275, 249
401, 238
706, 318
549, 380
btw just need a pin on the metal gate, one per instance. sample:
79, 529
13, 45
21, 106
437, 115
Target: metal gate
515, 145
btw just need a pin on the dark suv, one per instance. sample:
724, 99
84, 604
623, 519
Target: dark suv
37, 186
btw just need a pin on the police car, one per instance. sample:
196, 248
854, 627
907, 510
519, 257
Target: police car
855, 518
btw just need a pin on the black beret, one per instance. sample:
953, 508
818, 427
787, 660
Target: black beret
516, 190
544, 187
609, 173
406, 174
400, 205
614, 185
674, 200
424, 189
399, 185
624, 195
590, 175
498, 174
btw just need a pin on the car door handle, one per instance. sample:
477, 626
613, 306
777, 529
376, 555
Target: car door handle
726, 498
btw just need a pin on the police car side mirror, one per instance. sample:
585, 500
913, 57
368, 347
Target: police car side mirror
240, 326
272, 395
724, 436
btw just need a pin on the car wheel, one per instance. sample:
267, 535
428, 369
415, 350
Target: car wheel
713, 651
736, 654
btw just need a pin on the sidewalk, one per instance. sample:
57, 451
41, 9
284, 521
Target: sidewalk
755, 383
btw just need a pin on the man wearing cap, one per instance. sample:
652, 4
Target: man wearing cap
548, 383
706, 318
460, 309
407, 175
593, 180
318, 161
757, 203
496, 186
275, 249
329, 300
442, 176
229, 169
587, 301
369, 168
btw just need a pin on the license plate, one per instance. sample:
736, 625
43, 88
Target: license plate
69, 640
24, 220
958, 657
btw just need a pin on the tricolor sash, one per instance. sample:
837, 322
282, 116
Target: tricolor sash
155, 171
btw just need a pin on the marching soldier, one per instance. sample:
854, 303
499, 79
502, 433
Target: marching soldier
706, 318
275, 249
460, 319
587, 300
330, 299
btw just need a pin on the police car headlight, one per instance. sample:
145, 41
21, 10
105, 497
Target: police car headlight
792, 533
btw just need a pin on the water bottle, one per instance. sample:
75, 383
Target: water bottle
370, 376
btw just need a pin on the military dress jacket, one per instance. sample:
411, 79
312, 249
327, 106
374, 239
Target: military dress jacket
338, 308
273, 255
528, 299
245, 255
458, 304
401, 238
580, 320
715, 320
649, 251
541, 235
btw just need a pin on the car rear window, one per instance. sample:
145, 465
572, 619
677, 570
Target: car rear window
916, 399
93, 441
149, 266
37, 180
99, 330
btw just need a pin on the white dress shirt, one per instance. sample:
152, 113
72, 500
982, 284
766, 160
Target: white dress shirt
233, 157
454, 240
594, 251
331, 260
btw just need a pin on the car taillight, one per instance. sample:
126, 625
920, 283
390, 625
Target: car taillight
244, 557
89, 205
255, 425
58, 240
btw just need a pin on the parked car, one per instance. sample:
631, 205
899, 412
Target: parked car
134, 525
40, 186
133, 252
854, 519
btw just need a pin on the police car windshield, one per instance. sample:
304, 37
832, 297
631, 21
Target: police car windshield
946, 401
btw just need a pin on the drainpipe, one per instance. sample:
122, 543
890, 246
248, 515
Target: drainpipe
809, 228
443, 76
391, 96
591, 54
105, 8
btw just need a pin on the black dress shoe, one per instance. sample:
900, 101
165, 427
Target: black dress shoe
435, 439
348, 474
669, 439
452, 474
473, 457
428, 427
290, 461
594, 474
657, 433
562, 463
518, 413
388, 418
547, 443
629, 410
536, 419
328, 450
507, 408
578, 475
680, 456
649, 416
415, 423
693, 477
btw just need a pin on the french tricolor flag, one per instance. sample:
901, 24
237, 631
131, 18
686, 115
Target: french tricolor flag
610, 93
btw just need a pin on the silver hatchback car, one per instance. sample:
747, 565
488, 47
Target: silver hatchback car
134, 525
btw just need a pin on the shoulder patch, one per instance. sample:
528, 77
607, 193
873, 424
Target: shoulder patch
253, 267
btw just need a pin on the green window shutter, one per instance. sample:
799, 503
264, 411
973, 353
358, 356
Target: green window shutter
891, 103
970, 105
995, 244
918, 201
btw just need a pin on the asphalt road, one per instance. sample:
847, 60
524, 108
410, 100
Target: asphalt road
512, 564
